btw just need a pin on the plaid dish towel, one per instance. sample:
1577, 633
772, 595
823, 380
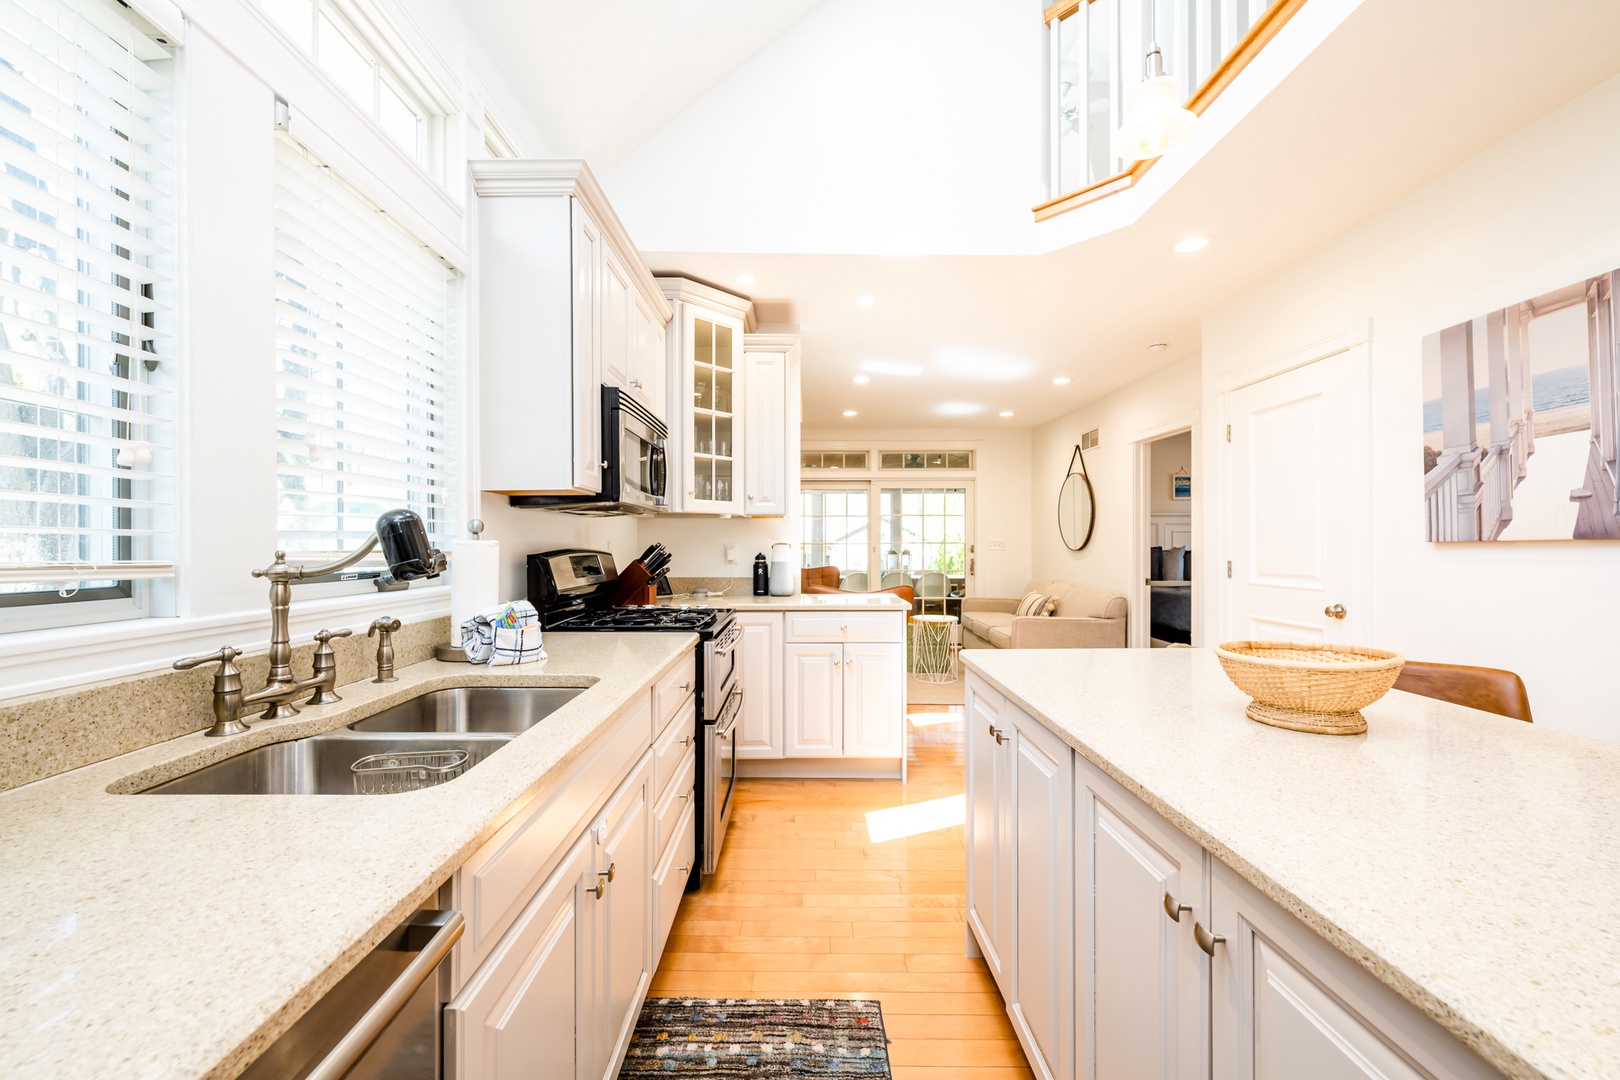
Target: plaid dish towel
479, 633
517, 645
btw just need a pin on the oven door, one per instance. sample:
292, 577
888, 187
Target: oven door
720, 777
722, 661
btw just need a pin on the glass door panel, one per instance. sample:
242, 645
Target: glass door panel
835, 524
923, 540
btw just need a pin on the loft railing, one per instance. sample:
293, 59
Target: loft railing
1095, 52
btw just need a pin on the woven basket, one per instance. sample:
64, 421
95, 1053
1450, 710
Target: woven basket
1317, 688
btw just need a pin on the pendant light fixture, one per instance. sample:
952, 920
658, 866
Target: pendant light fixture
1155, 118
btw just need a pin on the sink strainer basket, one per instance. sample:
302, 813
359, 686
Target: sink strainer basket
391, 773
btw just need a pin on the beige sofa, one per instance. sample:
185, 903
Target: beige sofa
1087, 617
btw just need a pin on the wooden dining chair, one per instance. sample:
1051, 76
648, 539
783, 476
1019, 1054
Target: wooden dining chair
1489, 690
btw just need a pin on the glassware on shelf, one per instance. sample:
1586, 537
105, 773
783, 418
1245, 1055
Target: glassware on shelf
722, 391
722, 436
722, 481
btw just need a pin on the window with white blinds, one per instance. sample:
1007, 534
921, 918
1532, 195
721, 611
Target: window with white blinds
365, 365
86, 368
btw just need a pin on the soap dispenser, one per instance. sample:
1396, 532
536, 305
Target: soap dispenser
762, 575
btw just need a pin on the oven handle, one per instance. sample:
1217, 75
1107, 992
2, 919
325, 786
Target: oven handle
727, 641
382, 1012
729, 715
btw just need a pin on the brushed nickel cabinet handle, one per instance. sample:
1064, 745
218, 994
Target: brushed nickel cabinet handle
1206, 940
1174, 907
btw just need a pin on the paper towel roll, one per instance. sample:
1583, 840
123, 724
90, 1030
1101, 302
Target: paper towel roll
475, 581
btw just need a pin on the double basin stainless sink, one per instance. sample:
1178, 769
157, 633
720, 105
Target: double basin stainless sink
477, 719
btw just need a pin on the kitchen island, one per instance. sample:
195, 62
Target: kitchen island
1438, 888
176, 936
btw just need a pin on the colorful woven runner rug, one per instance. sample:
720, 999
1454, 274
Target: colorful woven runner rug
737, 1038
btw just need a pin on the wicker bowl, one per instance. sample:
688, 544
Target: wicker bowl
1317, 688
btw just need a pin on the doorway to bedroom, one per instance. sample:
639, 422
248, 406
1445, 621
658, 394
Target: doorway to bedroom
1168, 489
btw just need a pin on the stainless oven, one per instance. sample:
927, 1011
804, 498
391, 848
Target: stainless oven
720, 775
721, 660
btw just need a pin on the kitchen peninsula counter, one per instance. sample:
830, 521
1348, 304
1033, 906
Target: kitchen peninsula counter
175, 936
1467, 861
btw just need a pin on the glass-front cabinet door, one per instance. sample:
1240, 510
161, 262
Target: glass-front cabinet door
706, 399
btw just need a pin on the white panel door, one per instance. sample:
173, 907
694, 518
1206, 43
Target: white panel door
616, 327
813, 700
1141, 978
874, 700
765, 467
759, 729
587, 388
647, 359
990, 862
1297, 505
526, 1002
624, 865
1042, 1004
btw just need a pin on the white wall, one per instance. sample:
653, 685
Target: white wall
1001, 490
1534, 212
698, 543
870, 126
1170, 456
1167, 398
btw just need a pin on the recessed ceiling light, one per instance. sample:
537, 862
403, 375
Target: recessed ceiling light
1158, 346
862, 379
1062, 380
745, 279
849, 412
1192, 244
1006, 412
864, 301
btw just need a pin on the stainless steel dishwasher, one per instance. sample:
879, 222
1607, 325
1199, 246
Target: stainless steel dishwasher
382, 1020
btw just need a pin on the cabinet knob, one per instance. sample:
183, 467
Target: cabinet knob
1334, 611
997, 733
687, 869
613, 868
688, 796
1206, 940
687, 741
600, 889
843, 628
1174, 907
686, 688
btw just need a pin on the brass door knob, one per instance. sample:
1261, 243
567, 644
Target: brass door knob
1336, 611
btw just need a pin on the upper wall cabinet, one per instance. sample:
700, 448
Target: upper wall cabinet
565, 304
707, 393
771, 375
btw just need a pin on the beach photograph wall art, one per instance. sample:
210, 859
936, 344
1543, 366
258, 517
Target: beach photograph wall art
1521, 420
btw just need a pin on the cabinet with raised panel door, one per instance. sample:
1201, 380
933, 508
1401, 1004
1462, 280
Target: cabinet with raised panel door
770, 473
843, 699
760, 667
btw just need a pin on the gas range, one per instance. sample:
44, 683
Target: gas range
693, 620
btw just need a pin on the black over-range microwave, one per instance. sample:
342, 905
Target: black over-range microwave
635, 465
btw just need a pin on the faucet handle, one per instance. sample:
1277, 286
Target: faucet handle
223, 657
383, 629
325, 667
324, 636
227, 690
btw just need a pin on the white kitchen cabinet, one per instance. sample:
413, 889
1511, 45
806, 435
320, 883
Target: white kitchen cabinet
624, 866
772, 454
648, 358
844, 700
527, 1001
874, 699
1141, 982
813, 700
989, 832
759, 729
707, 394
1041, 1004
558, 288
1286, 1003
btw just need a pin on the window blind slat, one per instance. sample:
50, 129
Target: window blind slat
39, 367
143, 478
365, 359
109, 83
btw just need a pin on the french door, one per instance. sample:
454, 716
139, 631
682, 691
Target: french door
882, 533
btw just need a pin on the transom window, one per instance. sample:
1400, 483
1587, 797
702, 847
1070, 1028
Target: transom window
833, 459
926, 459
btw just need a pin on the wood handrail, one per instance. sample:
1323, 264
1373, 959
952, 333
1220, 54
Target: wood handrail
1266, 27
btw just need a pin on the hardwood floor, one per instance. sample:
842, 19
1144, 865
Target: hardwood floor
808, 903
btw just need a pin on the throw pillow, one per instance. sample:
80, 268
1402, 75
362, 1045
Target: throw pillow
1156, 563
1175, 561
1034, 604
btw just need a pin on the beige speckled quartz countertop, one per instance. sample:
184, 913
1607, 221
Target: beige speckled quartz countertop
796, 602
175, 936
1470, 862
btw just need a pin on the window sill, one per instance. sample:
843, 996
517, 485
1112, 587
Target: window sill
43, 661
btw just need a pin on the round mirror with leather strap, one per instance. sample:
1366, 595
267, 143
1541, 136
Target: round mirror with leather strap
1077, 506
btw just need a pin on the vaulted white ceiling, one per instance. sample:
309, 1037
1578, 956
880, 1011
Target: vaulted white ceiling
906, 157
599, 77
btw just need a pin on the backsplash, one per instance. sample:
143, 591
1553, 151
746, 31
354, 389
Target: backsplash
52, 733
